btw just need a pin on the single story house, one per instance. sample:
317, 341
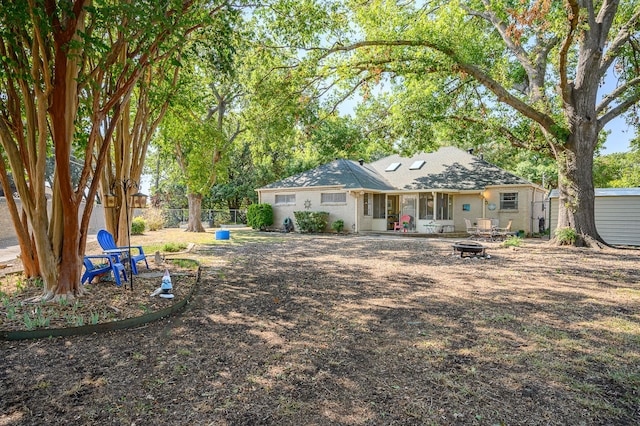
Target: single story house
617, 212
441, 188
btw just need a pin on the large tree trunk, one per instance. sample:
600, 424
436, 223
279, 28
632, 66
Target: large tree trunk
195, 212
576, 198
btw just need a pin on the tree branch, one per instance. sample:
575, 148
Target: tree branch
619, 109
616, 93
515, 140
499, 25
564, 87
619, 40
503, 95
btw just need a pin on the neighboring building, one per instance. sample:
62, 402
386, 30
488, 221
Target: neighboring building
443, 187
617, 212
7, 229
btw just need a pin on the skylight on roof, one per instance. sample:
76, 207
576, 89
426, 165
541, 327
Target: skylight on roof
417, 165
392, 167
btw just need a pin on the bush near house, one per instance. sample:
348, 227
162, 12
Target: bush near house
260, 216
338, 225
138, 226
312, 221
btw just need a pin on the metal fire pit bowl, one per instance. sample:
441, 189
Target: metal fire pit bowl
469, 248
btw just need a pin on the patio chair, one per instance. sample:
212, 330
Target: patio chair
108, 264
504, 232
471, 230
108, 244
400, 224
485, 229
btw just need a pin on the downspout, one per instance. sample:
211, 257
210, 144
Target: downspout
484, 201
531, 210
356, 222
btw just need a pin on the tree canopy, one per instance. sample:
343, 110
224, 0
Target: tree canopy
67, 72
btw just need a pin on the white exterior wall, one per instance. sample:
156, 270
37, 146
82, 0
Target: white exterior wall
475, 203
345, 211
524, 218
352, 212
7, 230
617, 218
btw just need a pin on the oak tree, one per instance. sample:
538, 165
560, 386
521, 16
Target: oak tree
532, 71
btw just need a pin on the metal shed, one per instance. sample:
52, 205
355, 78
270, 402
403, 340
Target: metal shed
617, 213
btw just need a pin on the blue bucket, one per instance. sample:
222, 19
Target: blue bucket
222, 234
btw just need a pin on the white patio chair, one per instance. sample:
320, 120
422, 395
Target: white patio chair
471, 230
485, 229
503, 233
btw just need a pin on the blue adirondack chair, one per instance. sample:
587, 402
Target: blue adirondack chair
108, 244
107, 264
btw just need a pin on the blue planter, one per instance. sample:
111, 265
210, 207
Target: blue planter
222, 234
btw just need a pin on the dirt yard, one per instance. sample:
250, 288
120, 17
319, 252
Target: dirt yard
290, 329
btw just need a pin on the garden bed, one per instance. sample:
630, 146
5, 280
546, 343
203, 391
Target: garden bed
101, 306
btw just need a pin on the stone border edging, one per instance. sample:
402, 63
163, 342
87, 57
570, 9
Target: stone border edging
108, 326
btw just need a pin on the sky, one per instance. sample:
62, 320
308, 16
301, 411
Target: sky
618, 139
621, 132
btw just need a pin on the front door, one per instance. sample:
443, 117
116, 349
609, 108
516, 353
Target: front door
409, 207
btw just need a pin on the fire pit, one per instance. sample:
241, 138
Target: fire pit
469, 248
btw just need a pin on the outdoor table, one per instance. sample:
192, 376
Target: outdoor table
433, 228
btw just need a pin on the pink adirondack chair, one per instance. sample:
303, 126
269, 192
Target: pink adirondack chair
400, 224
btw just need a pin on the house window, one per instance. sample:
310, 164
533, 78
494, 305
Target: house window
509, 201
367, 206
425, 206
286, 199
333, 198
378, 206
444, 203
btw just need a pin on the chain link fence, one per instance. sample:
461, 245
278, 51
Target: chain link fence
173, 218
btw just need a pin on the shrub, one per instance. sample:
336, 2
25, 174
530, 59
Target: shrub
138, 226
338, 225
566, 236
312, 221
512, 241
154, 219
259, 216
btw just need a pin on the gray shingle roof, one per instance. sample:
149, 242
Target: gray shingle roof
345, 173
448, 168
